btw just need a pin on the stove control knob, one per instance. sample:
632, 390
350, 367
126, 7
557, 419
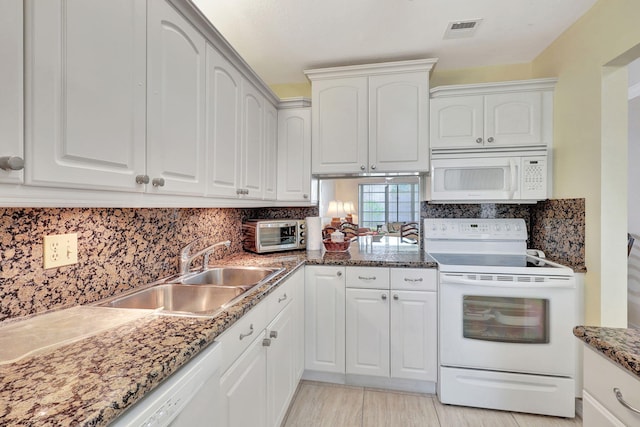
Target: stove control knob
507, 227
443, 227
497, 227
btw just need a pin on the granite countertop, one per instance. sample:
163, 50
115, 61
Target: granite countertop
620, 345
91, 381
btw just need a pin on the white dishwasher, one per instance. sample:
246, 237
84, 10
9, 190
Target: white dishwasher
188, 398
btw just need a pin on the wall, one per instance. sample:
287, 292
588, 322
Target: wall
590, 145
633, 196
118, 249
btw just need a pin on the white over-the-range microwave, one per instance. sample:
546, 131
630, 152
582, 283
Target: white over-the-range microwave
506, 177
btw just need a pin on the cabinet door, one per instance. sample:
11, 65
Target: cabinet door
456, 122
513, 119
596, 415
252, 141
367, 332
243, 389
294, 154
85, 93
11, 72
223, 105
339, 114
414, 339
324, 319
281, 380
399, 122
176, 102
270, 151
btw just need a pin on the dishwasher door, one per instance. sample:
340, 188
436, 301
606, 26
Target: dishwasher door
188, 398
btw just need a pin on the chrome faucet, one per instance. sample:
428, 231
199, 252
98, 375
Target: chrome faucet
186, 258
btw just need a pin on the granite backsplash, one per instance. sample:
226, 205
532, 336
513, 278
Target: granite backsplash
557, 227
118, 249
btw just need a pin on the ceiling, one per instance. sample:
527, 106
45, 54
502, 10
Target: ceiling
281, 38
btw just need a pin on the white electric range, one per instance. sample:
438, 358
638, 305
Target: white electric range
506, 319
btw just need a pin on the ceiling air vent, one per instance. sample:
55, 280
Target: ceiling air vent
459, 29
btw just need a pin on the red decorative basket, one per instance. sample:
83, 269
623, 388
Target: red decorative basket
336, 246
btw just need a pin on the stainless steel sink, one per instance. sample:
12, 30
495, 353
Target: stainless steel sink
178, 299
204, 293
244, 277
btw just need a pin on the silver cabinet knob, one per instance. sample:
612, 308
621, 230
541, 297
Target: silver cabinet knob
157, 182
142, 179
339, 273
305, 196
239, 191
396, 297
246, 191
273, 334
384, 297
362, 167
266, 342
11, 163
373, 167
479, 140
490, 139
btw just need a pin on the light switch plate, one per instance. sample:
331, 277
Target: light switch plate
60, 249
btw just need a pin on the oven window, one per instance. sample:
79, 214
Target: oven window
276, 236
505, 319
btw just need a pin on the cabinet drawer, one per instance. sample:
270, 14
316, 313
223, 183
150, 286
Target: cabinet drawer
368, 277
414, 279
236, 339
601, 376
279, 298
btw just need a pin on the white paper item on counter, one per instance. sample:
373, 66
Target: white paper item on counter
314, 233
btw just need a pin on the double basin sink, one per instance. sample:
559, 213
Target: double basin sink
200, 294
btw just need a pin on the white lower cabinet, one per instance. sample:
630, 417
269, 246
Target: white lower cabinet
372, 326
281, 375
367, 349
324, 324
602, 378
392, 332
259, 384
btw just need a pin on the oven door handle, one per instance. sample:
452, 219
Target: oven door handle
555, 283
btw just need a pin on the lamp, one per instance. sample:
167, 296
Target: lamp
349, 210
335, 211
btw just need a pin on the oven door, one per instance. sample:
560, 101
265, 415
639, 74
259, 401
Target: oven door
507, 323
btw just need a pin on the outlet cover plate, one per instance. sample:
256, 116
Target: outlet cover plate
60, 249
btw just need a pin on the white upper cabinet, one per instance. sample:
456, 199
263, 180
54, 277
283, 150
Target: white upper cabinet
508, 114
176, 103
371, 118
399, 122
224, 86
294, 154
339, 130
85, 91
252, 134
270, 152
11, 88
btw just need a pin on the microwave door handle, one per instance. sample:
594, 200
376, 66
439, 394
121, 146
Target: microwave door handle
513, 168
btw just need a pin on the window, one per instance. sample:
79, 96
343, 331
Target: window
381, 204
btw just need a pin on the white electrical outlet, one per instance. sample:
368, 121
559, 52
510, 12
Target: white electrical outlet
60, 249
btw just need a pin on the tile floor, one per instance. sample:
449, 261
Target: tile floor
327, 405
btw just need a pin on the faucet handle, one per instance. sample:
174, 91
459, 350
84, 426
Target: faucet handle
187, 249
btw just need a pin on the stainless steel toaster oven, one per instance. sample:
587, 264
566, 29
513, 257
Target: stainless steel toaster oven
272, 235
